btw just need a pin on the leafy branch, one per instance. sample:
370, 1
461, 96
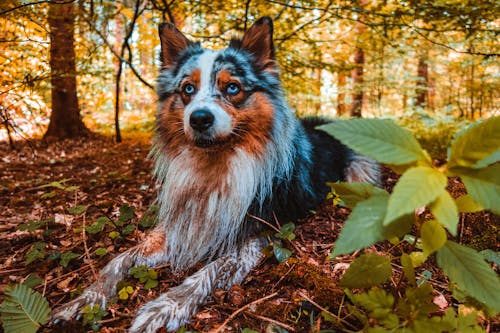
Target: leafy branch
473, 156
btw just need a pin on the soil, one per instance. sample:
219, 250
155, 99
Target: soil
54, 183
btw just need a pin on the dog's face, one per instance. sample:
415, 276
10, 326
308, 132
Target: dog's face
212, 100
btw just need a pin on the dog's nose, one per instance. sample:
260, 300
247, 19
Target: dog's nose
201, 120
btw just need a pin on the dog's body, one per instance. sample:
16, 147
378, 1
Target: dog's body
228, 149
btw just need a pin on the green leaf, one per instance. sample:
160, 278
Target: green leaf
48, 195
379, 139
281, 253
66, 257
32, 280
433, 237
445, 211
467, 268
418, 302
352, 193
379, 304
79, 209
36, 252
126, 214
152, 274
491, 256
55, 184
367, 271
98, 225
72, 188
408, 269
101, 251
483, 186
416, 188
114, 234
150, 284
417, 258
91, 315
128, 229
248, 330
469, 323
122, 294
368, 216
465, 204
477, 146
35, 225
23, 310
286, 232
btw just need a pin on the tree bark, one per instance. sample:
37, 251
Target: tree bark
341, 84
423, 80
65, 120
357, 78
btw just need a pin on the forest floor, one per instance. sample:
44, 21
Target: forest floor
49, 193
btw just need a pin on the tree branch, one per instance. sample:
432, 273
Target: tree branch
120, 58
35, 3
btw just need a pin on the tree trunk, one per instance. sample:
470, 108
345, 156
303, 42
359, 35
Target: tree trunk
359, 63
341, 83
118, 74
357, 78
423, 80
65, 120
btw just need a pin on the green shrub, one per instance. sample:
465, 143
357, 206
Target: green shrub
473, 156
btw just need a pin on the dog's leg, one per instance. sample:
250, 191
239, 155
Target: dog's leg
150, 252
175, 307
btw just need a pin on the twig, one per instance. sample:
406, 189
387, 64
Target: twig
307, 298
87, 254
285, 326
285, 275
235, 313
44, 286
35, 3
277, 230
264, 222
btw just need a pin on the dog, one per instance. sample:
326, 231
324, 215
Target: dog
228, 151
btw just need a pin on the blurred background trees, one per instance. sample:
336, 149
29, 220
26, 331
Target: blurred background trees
361, 58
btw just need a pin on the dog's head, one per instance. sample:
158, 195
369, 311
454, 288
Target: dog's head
212, 99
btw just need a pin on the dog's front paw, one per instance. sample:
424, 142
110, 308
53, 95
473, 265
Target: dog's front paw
72, 309
162, 312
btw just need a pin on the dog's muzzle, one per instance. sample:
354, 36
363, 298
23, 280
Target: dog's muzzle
201, 120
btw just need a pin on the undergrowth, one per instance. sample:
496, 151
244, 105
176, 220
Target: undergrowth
380, 216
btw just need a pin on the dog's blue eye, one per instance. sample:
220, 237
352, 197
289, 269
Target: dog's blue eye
189, 89
232, 89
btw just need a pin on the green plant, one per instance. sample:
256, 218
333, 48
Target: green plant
125, 292
92, 315
473, 156
56, 185
145, 275
36, 225
276, 247
150, 217
36, 252
119, 227
23, 310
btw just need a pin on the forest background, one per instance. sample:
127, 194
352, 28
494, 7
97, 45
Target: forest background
417, 59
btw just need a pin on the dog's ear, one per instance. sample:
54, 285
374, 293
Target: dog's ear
172, 43
258, 40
